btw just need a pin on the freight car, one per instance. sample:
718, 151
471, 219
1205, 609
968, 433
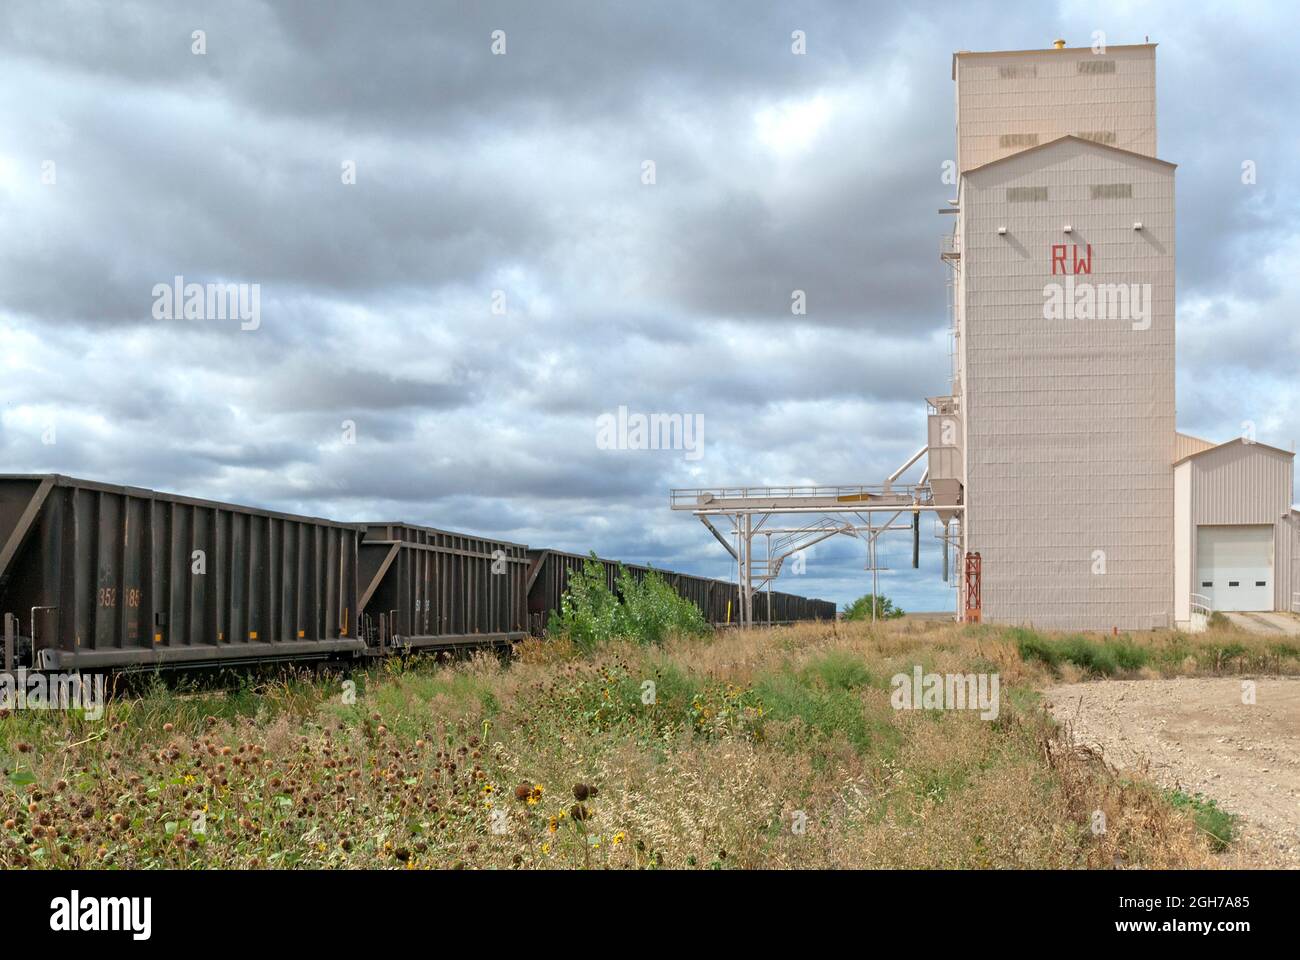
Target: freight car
94, 575
432, 588
109, 576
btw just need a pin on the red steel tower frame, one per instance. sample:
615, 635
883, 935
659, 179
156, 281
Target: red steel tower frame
972, 591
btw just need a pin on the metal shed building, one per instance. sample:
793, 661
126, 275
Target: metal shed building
1234, 529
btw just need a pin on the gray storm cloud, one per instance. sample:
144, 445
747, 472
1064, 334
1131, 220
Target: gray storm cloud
499, 276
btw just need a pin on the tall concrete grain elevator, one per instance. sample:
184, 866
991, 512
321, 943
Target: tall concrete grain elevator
1066, 498
1058, 437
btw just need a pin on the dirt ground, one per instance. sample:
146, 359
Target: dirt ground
1197, 734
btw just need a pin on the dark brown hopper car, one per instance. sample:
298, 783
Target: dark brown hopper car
107, 576
424, 588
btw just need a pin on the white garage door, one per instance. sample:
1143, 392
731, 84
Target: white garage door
1234, 567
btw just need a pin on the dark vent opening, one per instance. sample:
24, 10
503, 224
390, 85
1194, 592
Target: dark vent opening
1111, 191
1026, 194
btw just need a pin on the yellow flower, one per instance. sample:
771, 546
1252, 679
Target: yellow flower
617, 838
546, 848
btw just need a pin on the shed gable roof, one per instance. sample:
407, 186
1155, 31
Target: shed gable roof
1238, 441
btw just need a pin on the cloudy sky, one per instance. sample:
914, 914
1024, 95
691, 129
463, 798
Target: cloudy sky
500, 274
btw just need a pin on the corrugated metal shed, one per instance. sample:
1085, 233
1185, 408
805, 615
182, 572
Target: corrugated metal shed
1293, 603
1244, 483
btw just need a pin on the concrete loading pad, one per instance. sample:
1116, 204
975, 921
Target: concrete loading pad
1266, 622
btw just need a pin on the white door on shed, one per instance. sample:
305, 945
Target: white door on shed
1234, 566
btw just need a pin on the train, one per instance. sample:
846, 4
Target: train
100, 576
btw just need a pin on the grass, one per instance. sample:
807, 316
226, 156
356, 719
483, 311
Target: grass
703, 752
807, 706
1215, 652
1104, 657
1219, 826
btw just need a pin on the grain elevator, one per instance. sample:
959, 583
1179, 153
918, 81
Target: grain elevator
1057, 438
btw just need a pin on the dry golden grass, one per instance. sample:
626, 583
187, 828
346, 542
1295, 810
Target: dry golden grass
767, 749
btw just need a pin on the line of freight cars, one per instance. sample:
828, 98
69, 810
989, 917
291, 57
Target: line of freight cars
94, 575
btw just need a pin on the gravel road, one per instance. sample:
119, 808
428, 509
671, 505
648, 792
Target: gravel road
1196, 734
